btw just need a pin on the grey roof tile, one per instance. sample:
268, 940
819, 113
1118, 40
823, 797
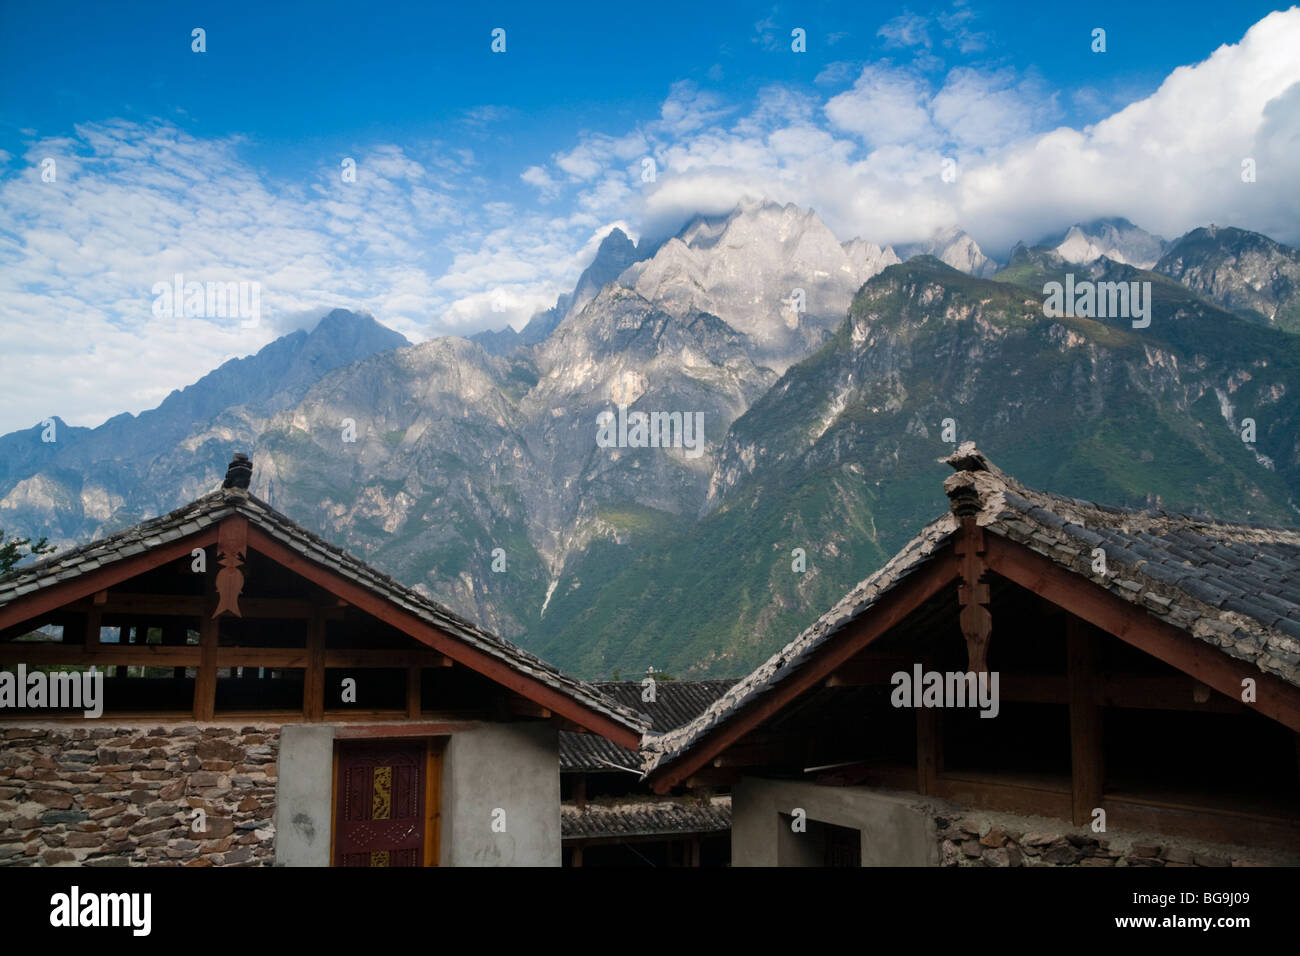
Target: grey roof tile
645, 816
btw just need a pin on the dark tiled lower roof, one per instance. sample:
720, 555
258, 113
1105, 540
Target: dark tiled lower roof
675, 703
1235, 587
646, 816
217, 505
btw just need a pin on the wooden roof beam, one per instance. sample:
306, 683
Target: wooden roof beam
1275, 698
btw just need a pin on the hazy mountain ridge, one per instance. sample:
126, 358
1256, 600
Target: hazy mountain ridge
1114, 238
954, 248
90, 481
821, 431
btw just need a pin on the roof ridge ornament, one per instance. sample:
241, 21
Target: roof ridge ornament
239, 473
968, 458
976, 483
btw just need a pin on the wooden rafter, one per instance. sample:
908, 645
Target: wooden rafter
192, 605
40, 603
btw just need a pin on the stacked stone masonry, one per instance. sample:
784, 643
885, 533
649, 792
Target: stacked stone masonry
127, 795
974, 842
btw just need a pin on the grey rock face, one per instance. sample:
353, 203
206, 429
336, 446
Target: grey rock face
1243, 271
774, 273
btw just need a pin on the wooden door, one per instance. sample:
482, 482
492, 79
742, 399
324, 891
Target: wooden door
381, 813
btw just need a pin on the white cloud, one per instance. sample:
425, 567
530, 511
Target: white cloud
906, 29
885, 106
539, 177
427, 244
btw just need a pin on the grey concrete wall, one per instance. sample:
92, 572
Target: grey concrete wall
514, 767
896, 830
304, 795
511, 767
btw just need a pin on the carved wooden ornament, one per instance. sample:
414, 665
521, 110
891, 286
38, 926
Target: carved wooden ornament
232, 544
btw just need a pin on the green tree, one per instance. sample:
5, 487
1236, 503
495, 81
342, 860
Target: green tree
14, 549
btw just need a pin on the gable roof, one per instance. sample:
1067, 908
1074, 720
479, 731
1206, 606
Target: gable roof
213, 508
1234, 587
675, 703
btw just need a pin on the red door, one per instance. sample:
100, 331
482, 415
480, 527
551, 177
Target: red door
379, 807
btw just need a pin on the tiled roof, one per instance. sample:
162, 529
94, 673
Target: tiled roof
675, 703
1235, 587
647, 816
217, 505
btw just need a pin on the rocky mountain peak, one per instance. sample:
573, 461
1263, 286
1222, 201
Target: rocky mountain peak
1249, 273
775, 273
956, 248
1115, 238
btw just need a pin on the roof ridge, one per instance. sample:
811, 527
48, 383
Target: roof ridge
968, 459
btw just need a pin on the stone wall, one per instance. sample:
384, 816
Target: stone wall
979, 842
125, 795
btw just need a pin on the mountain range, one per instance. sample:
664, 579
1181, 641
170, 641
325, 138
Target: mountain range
822, 370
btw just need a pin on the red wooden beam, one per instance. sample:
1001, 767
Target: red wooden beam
460, 652
906, 597
1275, 698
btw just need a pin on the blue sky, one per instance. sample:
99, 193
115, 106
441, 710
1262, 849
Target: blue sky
486, 180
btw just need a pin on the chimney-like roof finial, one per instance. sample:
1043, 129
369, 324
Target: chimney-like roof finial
239, 473
963, 492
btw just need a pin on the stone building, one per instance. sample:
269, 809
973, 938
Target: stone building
1032, 680
267, 697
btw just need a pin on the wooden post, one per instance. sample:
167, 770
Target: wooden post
313, 696
413, 705
580, 791
973, 595
173, 635
695, 851
1086, 768
205, 686
93, 619
576, 853
927, 749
